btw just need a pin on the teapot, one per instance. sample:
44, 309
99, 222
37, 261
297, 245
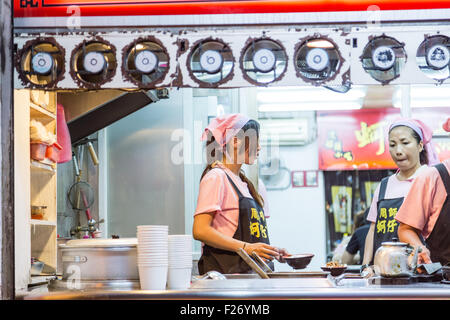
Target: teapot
395, 259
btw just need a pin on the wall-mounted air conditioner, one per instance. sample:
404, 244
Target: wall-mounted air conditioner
284, 132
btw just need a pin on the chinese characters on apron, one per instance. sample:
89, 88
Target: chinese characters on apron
251, 228
385, 226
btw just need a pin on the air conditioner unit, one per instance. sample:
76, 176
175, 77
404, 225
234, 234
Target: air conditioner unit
284, 131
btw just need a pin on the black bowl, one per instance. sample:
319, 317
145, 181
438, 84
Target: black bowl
298, 261
334, 271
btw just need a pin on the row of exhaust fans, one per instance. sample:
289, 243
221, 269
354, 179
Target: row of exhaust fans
150, 62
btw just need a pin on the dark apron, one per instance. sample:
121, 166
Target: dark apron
385, 226
439, 240
251, 228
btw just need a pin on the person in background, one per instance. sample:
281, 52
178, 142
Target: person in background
411, 149
229, 214
358, 239
426, 213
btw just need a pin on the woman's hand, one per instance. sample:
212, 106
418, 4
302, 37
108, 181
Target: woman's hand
283, 253
263, 250
424, 256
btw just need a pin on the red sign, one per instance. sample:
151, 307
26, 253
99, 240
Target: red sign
64, 8
358, 139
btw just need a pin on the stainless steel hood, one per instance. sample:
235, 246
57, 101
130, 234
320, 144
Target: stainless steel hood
87, 115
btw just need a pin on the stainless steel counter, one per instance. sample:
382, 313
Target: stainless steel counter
277, 288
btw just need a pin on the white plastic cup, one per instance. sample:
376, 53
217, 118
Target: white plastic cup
149, 243
179, 278
154, 248
180, 257
153, 257
153, 277
144, 240
153, 228
180, 237
156, 236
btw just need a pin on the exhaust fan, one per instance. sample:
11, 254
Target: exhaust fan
211, 62
433, 57
93, 63
383, 58
317, 60
264, 61
146, 62
41, 63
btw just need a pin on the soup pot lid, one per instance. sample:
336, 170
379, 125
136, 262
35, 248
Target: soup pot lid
100, 243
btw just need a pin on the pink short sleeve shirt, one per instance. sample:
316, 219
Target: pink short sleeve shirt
217, 195
424, 202
395, 189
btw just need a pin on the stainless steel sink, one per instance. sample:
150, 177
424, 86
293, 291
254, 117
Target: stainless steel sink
352, 282
277, 275
278, 280
253, 283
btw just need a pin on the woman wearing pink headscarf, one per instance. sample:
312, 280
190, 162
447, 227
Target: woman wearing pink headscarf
229, 214
426, 213
411, 149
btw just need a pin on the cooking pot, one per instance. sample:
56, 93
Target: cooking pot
395, 259
100, 259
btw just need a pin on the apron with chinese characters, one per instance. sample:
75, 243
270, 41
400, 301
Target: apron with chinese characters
385, 226
251, 228
439, 240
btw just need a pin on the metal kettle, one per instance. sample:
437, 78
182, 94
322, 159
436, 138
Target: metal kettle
395, 259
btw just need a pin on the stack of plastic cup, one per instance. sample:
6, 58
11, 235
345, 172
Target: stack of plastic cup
153, 256
180, 261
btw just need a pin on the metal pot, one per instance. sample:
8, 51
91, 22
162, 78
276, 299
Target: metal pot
394, 259
100, 259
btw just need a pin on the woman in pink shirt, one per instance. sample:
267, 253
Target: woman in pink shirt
410, 148
229, 214
426, 213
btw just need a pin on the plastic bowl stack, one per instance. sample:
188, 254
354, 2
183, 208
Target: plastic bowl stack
153, 256
180, 261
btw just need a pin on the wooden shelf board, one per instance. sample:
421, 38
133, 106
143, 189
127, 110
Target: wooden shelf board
43, 165
42, 278
39, 112
36, 222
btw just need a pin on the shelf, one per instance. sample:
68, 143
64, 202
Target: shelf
38, 112
42, 278
36, 222
45, 165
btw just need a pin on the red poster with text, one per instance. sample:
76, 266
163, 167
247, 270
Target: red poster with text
358, 139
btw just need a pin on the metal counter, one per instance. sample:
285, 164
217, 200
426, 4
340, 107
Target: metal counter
278, 288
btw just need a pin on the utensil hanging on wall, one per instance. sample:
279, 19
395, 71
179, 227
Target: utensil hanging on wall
81, 194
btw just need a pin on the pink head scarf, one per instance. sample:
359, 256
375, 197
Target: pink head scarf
224, 127
425, 134
446, 125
